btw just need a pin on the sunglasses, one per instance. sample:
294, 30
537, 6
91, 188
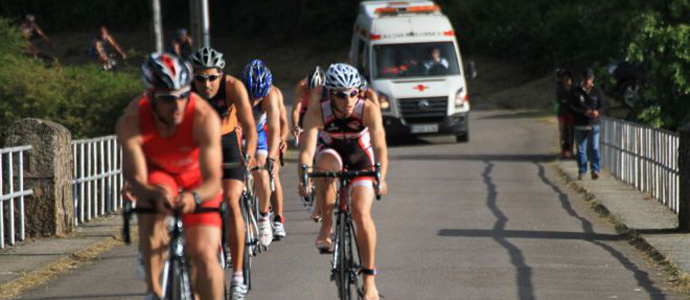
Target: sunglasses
344, 95
172, 97
204, 78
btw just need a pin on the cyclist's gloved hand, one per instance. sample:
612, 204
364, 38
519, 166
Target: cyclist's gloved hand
185, 202
382, 189
305, 191
163, 199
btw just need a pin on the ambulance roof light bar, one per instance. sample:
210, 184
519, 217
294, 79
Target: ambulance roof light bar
391, 9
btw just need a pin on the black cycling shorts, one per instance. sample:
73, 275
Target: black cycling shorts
232, 153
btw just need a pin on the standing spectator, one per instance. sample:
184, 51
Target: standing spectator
587, 105
101, 47
28, 28
564, 91
182, 44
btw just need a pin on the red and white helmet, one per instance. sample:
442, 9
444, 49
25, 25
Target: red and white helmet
166, 71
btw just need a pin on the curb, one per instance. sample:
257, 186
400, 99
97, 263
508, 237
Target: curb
678, 276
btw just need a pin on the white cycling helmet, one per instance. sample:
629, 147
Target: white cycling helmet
207, 58
166, 71
342, 76
315, 78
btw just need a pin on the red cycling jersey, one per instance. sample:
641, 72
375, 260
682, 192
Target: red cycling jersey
174, 161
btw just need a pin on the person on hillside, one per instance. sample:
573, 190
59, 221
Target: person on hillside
182, 44
101, 48
587, 105
564, 91
29, 29
229, 98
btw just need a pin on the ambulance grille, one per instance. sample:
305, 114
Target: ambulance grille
423, 110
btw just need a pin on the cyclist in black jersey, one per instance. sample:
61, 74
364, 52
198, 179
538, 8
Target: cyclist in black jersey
228, 96
354, 139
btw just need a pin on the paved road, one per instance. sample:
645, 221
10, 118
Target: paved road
485, 220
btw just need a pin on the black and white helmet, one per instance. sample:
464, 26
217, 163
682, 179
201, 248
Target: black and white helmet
207, 58
315, 78
342, 76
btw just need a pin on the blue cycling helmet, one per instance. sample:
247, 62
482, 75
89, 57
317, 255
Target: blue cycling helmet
257, 78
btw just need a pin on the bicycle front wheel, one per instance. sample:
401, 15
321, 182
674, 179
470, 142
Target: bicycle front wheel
179, 286
345, 271
248, 243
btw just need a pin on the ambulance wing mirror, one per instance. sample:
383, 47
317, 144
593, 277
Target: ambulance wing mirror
470, 70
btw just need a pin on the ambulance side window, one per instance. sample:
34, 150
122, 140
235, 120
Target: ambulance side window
362, 58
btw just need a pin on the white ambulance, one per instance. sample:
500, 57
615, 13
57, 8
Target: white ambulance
408, 53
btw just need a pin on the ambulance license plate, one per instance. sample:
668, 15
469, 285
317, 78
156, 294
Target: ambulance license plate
426, 128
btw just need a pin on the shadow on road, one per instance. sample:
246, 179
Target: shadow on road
480, 157
525, 286
519, 115
642, 277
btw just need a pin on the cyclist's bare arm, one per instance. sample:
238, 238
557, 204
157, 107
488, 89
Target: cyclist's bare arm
42, 34
101, 51
237, 95
297, 104
272, 109
370, 94
312, 124
373, 120
133, 160
206, 130
111, 40
284, 130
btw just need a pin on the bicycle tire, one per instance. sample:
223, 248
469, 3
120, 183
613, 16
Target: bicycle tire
349, 277
248, 244
179, 285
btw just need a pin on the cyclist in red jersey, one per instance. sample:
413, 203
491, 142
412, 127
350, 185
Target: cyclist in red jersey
353, 138
171, 157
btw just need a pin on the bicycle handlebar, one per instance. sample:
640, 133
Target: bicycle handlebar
347, 174
128, 211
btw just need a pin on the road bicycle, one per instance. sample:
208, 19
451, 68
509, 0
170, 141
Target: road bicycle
175, 278
345, 266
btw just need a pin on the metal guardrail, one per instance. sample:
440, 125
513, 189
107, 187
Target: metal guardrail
11, 190
644, 157
97, 177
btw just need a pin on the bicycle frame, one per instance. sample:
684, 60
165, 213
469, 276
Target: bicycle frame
175, 278
344, 268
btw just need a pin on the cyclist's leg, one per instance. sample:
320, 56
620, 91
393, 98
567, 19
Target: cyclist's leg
209, 275
326, 160
263, 187
232, 190
153, 235
362, 198
277, 204
202, 236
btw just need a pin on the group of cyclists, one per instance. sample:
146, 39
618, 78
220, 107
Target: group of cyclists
189, 138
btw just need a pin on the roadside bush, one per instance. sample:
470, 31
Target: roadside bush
85, 99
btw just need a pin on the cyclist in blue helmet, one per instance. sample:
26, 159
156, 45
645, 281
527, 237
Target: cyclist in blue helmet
265, 100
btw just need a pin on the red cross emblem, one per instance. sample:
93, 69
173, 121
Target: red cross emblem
421, 87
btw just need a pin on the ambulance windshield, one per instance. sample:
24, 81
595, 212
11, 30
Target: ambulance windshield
415, 60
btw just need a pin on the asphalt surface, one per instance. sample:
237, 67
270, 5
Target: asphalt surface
488, 219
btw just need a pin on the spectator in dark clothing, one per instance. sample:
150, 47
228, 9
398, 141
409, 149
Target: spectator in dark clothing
564, 91
587, 104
